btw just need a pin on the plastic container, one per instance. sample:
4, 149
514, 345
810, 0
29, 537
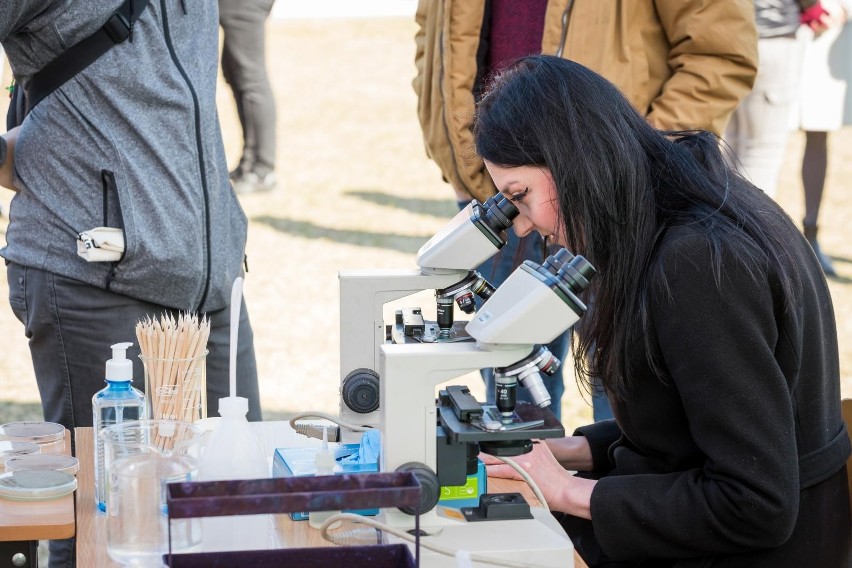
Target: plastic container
51, 462
48, 435
36, 485
116, 403
142, 457
325, 465
16, 449
234, 452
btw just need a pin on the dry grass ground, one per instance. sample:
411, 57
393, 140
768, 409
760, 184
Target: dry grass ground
357, 191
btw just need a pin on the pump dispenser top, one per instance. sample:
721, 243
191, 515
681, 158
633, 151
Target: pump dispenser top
119, 368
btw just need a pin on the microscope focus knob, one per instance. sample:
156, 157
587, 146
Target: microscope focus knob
360, 391
430, 487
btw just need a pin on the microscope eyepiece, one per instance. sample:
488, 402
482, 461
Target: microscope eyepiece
499, 212
577, 274
557, 260
564, 270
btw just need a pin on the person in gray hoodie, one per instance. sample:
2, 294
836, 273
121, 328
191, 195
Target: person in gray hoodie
131, 142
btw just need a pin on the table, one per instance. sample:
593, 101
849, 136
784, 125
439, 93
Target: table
24, 523
91, 525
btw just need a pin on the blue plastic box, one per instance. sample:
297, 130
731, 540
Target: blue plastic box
300, 462
466, 495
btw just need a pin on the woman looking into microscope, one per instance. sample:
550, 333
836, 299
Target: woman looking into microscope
714, 332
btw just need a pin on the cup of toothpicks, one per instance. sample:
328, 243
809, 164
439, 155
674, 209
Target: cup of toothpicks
174, 354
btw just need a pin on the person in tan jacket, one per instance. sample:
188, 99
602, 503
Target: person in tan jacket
683, 64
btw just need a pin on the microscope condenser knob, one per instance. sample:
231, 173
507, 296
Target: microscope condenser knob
360, 391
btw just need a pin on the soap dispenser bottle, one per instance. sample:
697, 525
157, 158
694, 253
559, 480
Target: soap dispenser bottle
117, 402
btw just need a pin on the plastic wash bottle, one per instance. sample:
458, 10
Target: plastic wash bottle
234, 452
117, 402
325, 464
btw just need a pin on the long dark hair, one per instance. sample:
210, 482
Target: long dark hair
621, 184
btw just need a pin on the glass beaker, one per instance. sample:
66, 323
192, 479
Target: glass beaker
142, 456
176, 389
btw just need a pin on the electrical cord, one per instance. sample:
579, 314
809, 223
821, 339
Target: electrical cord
533, 485
360, 535
324, 530
314, 431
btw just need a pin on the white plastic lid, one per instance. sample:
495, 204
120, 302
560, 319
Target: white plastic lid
51, 462
12, 449
233, 406
36, 484
119, 368
36, 432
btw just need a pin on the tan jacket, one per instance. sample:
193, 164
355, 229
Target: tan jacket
682, 63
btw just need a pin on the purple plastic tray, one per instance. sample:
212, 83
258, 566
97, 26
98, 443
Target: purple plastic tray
288, 494
379, 556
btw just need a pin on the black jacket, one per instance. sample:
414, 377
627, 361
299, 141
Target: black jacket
735, 457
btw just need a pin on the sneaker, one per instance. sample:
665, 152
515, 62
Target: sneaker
250, 182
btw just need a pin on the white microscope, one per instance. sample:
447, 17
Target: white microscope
533, 306
405, 364
445, 263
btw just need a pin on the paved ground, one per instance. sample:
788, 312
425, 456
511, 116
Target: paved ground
357, 191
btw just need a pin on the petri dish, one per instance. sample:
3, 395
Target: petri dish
16, 449
36, 484
32, 431
53, 462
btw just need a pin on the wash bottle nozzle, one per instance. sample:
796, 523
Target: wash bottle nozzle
325, 462
325, 457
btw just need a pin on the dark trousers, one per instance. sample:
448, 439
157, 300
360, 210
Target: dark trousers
71, 326
244, 69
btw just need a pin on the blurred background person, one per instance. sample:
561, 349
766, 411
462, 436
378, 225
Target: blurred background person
244, 68
758, 132
683, 64
825, 106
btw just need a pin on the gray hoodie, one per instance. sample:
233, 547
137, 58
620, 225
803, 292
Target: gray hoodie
133, 141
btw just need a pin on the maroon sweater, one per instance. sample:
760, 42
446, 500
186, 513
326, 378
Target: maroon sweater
516, 30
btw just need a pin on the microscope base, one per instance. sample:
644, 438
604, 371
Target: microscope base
539, 541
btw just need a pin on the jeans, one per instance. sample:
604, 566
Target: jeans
601, 410
244, 69
496, 269
71, 326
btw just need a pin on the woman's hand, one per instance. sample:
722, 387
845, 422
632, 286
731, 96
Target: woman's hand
572, 452
563, 491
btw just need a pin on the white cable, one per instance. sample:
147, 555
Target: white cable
410, 538
312, 431
533, 485
463, 559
